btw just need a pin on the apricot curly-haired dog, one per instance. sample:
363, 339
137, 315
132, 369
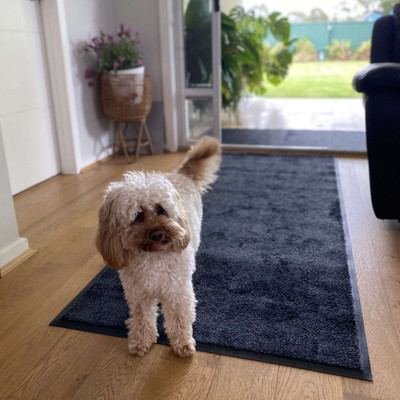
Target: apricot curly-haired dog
149, 229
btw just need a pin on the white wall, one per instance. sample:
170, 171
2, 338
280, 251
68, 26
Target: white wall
11, 245
84, 20
143, 15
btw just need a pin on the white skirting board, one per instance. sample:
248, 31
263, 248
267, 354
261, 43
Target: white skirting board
12, 251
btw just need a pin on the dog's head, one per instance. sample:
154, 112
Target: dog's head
141, 214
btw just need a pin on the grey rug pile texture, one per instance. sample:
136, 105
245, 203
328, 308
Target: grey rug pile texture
274, 279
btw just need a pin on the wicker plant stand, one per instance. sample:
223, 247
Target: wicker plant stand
127, 99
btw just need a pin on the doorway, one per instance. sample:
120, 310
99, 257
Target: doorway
26, 116
303, 122
199, 55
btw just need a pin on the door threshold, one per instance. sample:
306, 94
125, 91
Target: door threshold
297, 150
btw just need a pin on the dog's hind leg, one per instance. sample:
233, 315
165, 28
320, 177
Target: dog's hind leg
142, 326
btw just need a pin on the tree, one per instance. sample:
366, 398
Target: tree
297, 16
356, 9
384, 6
315, 15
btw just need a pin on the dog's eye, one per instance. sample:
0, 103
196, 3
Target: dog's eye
139, 218
160, 210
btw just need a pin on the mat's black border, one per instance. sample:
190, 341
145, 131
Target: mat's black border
364, 373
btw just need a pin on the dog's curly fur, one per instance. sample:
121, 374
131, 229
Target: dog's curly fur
149, 229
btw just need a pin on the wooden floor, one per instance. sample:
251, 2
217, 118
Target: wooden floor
41, 362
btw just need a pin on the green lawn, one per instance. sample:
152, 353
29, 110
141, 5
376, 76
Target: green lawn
331, 79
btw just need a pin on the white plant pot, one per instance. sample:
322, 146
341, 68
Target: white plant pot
131, 71
134, 71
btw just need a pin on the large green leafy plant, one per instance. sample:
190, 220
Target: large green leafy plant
248, 63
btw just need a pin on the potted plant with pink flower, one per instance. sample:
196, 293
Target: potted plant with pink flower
118, 53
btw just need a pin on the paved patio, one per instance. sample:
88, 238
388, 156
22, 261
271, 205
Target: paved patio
298, 114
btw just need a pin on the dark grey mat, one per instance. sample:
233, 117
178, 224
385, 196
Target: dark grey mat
352, 141
275, 280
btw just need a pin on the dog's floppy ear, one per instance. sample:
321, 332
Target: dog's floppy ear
184, 223
108, 240
183, 233
181, 228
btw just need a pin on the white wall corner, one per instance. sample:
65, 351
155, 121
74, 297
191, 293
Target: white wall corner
166, 20
11, 245
108, 151
62, 89
13, 250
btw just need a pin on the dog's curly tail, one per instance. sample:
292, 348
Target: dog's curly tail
202, 163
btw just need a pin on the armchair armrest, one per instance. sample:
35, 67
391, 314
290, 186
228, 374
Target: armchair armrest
379, 76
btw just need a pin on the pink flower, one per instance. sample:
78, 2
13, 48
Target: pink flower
89, 73
96, 42
120, 30
133, 38
115, 41
115, 64
109, 36
122, 58
139, 62
128, 31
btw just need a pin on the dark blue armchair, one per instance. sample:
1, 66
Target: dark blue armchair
380, 82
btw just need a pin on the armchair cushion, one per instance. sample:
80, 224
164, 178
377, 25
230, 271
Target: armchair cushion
377, 77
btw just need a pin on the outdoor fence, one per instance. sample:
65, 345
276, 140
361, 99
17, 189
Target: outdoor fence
321, 34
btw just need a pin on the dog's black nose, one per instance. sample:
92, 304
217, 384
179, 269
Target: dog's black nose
156, 235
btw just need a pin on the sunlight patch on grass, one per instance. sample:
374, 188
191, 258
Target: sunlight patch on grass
328, 79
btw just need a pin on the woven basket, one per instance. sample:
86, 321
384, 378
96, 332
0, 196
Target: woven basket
126, 98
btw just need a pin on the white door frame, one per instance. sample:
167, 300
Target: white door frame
166, 12
62, 90
174, 33
216, 67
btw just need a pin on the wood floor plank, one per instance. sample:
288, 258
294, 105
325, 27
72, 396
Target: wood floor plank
176, 380
242, 379
386, 241
298, 384
63, 369
381, 333
37, 279
200, 358
18, 360
118, 375
28, 338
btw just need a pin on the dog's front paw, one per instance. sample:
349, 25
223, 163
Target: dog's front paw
185, 349
138, 348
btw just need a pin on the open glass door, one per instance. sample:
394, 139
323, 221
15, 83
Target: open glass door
199, 51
